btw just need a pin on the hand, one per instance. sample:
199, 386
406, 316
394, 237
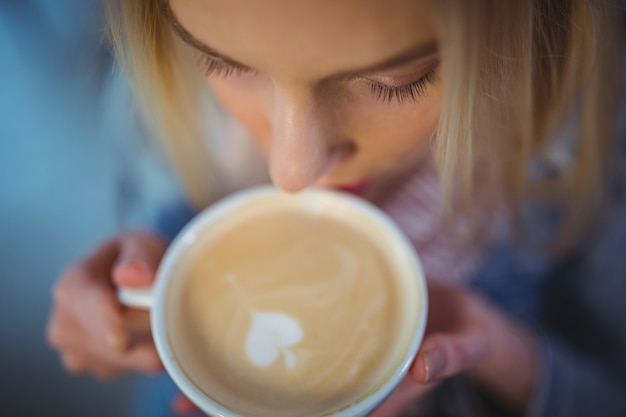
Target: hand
465, 333
453, 342
91, 330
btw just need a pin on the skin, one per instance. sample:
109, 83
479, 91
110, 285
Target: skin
308, 103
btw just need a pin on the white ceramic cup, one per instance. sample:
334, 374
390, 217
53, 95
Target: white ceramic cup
326, 203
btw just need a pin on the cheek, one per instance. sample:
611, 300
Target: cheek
424, 122
245, 99
389, 130
413, 127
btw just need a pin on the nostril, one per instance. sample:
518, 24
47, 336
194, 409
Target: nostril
344, 150
338, 154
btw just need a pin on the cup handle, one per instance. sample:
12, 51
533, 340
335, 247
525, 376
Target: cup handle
141, 298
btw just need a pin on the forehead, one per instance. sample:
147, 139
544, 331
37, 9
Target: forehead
313, 37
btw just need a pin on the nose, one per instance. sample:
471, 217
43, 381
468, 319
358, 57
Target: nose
304, 147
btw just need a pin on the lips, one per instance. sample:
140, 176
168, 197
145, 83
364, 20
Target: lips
355, 188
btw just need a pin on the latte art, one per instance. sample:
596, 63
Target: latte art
270, 335
289, 314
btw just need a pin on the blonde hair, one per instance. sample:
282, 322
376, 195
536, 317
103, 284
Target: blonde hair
529, 69
514, 74
168, 87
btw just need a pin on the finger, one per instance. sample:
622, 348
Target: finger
95, 305
77, 364
183, 405
92, 300
406, 395
73, 363
67, 335
75, 346
86, 290
137, 325
141, 358
66, 332
138, 260
443, 355
54, 333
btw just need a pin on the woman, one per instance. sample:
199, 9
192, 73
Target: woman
500, 113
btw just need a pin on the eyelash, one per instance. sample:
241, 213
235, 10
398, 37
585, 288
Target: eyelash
212, 66
410, 92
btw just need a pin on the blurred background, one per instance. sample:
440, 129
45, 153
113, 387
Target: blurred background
66, 183
76, 165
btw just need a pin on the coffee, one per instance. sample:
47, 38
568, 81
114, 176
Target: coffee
290, 313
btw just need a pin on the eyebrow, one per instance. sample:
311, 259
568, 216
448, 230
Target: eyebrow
405, 57
190, 40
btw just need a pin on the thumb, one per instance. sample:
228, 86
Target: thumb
138, 260
183, 405
443, 355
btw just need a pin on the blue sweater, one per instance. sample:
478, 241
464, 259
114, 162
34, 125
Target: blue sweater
576, 305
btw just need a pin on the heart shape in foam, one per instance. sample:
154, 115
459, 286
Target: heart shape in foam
272, 334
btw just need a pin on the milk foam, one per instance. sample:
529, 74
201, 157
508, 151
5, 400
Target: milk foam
291, 316
271, 335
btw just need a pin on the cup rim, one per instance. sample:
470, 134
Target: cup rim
224, 207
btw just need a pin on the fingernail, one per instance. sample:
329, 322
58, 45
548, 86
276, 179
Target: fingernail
433, 364
132, 273
131, 266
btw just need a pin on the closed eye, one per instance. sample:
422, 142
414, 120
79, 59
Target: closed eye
213, 66
409, 92
383, 92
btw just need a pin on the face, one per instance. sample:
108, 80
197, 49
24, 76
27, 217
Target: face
337, 93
